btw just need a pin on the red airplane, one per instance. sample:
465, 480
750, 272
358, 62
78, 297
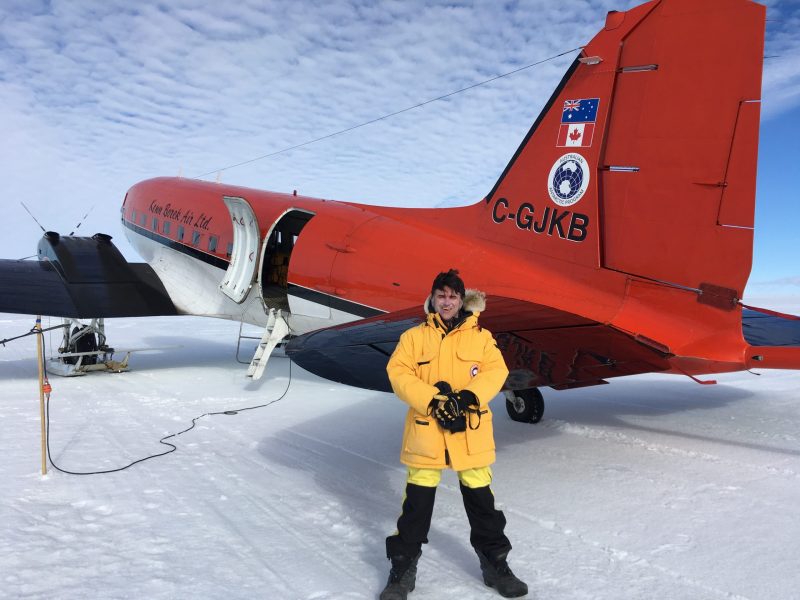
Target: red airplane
617, 241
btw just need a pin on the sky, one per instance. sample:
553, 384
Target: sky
95, 96
651, 487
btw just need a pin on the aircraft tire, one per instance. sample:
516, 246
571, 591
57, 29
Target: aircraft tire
527, 406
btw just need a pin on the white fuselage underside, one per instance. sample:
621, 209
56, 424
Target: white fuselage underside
193, 286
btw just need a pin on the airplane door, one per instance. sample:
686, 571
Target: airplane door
276, 251
310, 291
309, 273
244, 257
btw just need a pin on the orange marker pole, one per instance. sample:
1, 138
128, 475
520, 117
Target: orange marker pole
39, 361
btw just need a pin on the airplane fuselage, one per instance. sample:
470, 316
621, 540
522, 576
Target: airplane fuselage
326, 262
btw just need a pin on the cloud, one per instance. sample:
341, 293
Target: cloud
781, 81
96, 96
784, 281
780, 294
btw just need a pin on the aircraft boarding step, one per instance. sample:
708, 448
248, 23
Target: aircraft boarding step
276, 330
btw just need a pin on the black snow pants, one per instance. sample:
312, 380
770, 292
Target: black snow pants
486, 522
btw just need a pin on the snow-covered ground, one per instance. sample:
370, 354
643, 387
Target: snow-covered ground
651, 487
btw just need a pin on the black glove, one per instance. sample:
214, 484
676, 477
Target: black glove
449, 415
467, 400
443, 387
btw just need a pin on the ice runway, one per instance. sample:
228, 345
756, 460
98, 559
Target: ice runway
650, 487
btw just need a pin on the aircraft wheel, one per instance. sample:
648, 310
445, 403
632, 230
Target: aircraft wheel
525, 406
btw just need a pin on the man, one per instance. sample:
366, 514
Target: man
447, 369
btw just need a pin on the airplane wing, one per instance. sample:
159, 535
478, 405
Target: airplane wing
542, 346
81, 277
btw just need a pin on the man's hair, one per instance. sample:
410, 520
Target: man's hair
448, 279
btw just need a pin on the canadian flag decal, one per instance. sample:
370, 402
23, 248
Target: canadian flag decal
575, 134
577, 123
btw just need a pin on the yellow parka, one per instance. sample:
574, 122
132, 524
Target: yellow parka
468, 359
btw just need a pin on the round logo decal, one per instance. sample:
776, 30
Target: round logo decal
474, 370
568, 179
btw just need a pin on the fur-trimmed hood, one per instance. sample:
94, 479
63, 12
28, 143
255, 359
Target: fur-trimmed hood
474, 302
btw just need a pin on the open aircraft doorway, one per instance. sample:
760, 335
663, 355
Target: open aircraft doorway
276, 252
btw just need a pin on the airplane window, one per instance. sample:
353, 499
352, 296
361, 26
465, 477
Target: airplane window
166, 227
195, 237
133, 215
212, 243
155, 224
230, 250
180, 233
142, 220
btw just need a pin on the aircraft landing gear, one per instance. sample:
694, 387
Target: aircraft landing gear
525, 406
83, 339
84, 349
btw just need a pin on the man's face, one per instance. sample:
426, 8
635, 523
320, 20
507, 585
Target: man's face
447, 303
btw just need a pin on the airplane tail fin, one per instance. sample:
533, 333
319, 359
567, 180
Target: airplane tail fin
644, 159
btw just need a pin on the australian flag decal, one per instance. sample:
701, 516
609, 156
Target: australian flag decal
577, 123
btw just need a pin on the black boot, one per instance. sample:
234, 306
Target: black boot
402, 578
497, 574
405, 547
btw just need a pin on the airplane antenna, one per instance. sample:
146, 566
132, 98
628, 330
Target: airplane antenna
78, 226
32, 217
386, 116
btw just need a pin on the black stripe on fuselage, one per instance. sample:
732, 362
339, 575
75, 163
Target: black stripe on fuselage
195, 253
333, 301
294, 290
